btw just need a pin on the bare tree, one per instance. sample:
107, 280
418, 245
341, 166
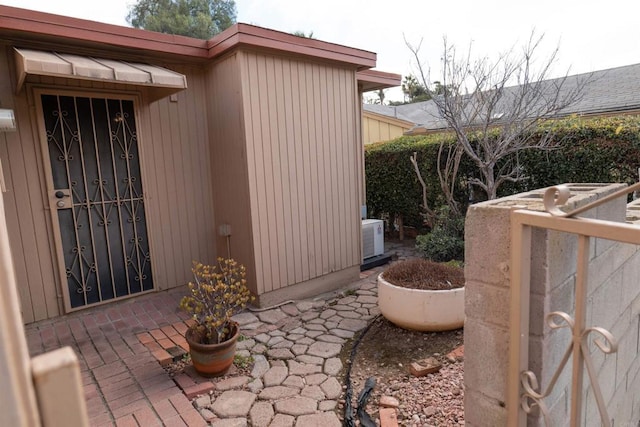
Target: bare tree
500, 103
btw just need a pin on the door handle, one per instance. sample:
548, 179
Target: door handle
61, 198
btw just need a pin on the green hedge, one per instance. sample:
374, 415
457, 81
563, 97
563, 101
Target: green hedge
589, 150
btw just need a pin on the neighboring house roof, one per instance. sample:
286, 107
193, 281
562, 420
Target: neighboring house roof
610, 91
386, 110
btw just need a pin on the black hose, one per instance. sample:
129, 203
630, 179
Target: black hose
365, 419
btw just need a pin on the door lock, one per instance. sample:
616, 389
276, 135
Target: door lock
61, 198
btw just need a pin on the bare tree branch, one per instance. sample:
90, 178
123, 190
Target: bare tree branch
495, 107
428, 214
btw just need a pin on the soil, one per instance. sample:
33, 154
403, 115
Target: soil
386, 351
425, 275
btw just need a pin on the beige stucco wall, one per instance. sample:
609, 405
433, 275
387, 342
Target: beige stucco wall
177, 181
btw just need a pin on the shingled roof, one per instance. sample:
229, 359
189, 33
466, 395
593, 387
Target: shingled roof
611, 91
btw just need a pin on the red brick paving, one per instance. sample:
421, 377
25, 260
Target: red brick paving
124, 385
198, 389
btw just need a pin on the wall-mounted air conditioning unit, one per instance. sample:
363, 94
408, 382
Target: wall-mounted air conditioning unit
372, 238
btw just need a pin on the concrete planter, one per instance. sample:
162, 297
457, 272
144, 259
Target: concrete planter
421, 310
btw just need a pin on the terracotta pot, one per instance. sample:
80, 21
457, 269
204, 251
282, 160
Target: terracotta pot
421, 310
212, 360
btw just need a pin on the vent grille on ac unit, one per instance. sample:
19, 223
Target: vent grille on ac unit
368, 247
372, 238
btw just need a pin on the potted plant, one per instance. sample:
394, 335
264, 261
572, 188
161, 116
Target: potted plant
216, 294
423, 295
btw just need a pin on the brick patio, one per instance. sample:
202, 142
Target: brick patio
124, 383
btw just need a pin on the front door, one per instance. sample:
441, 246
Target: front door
96, 197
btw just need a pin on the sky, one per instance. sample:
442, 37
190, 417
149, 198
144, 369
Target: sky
590, 34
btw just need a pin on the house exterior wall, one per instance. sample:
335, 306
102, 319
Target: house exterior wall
304, 172
176, 180
613, 303
229, 161
376, 130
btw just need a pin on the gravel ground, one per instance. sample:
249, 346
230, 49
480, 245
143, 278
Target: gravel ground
433, 400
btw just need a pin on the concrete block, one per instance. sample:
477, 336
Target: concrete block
606, 302
614, 210
633, 376
483, 411
554, 347
606, 377
487, 303
539, 261
627, 350
631, 277
562, 250
487, 244
486, 359
558, 409
621, 408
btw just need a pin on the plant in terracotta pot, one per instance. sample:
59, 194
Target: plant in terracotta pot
216, 294
423, 295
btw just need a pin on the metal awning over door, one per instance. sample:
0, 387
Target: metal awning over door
70, 66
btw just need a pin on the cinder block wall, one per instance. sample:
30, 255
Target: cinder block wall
613, 303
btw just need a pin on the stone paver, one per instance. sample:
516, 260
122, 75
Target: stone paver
331, 388
272, 316
261, 414
277, 392
275, 376
282, 420
295, 348
233, 403
324, 349
230, 422
323, 419
296, 406
314, 392
332, 366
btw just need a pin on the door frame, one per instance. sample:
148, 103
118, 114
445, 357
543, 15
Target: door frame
50, 200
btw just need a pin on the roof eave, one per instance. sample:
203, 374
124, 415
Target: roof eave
369, 80
245, 35
33, 26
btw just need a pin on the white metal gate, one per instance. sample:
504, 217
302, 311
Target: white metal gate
523, 388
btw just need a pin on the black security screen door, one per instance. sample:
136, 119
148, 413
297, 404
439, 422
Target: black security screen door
97, 194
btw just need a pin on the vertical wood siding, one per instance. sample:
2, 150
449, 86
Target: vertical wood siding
176, 161
304, 167
228, 158
28, 222
177, 181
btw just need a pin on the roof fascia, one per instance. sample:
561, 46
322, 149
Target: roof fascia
33, 26
39, 24
244, 35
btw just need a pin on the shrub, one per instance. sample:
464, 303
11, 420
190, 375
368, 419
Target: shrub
589, 150
445, 242
216, 294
